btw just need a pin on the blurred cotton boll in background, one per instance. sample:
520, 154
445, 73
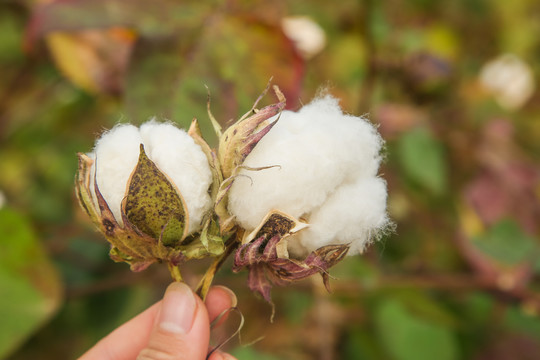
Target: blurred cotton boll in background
510, 80
308, 37
172, 150
324, 171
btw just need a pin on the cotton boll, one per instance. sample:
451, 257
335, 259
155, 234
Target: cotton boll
116, 154
510, 79
314, 151
354, 214
176, 155
172, 150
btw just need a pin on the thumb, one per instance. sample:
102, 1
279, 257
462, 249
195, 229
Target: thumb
181, 330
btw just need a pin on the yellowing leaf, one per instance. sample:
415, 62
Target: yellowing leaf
470, 222
94, 60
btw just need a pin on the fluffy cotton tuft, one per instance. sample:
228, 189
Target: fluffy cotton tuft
325, 171
172, 150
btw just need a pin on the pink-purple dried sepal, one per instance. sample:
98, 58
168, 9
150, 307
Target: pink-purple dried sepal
267, 269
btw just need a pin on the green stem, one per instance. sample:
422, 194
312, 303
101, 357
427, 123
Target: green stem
175, 272
206, 281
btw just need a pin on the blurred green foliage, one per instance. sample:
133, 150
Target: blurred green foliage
30, 290
458, 279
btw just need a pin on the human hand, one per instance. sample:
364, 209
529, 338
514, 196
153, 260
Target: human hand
175, 328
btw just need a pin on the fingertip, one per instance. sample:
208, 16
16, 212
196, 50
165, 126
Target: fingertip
218, 300
181, 330
178, 309
224, 292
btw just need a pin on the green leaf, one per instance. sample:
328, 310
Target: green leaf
10, 42
517, 319
197, 250
212, 243
207, 243
298, 304
154, 205
31, 289
360, 343
478, 307
427, 308
357, 269
423, 160
508, 244
408, 337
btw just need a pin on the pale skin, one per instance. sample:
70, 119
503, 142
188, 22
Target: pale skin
175, 328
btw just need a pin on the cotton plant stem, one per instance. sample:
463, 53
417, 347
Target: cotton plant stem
206, 281
175, 272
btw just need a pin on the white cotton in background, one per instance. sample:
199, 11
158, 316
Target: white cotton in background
172, 150
510, 79
308, 36
316, 152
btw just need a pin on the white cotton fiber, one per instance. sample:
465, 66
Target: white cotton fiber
318, 154
172, 150
116, 155
354, 214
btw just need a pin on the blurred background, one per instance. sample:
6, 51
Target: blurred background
452, 86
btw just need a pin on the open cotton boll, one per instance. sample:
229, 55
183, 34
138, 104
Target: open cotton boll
173, 151
314, 152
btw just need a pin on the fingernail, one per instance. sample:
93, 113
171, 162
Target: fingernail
230, 293
177, 309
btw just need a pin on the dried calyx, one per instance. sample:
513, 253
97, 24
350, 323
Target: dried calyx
265, 254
